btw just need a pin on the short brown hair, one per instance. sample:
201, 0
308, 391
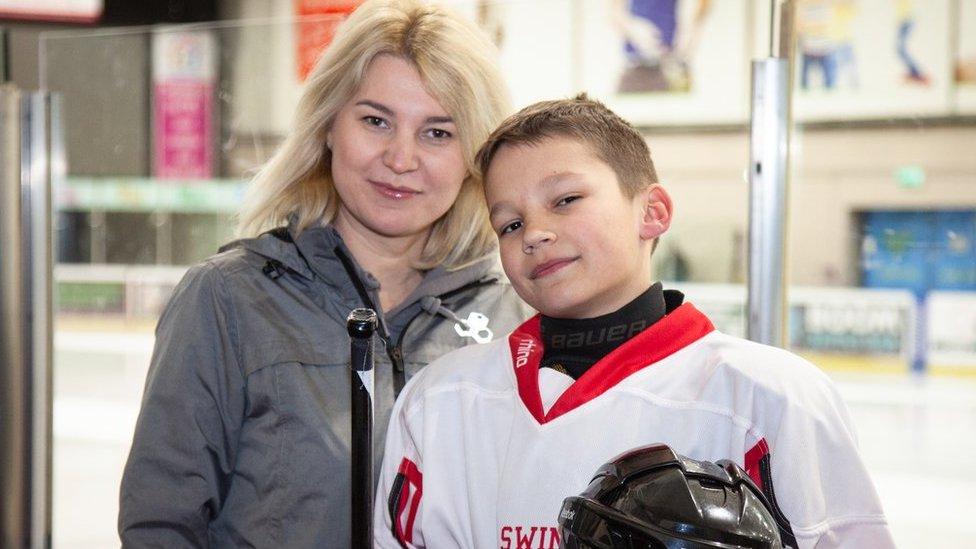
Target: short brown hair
611, 138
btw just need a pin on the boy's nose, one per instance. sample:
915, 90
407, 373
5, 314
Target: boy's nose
401, 154
536, 238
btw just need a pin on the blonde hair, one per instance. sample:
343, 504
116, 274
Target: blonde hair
456, 62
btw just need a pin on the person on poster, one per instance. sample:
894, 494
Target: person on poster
825, 40
905, 13
372, 200
657, 46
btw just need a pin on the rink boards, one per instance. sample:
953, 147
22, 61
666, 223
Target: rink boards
858, 329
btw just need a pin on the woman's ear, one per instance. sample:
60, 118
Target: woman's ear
328, 134
656, 212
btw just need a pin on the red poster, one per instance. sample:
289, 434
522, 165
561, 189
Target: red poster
318, 20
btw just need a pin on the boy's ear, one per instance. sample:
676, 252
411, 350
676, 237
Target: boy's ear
656, 211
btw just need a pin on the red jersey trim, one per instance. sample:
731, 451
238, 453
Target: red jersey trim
753, 458
410, 494
682, 327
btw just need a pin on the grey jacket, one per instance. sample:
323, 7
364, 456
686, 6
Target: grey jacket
243, 437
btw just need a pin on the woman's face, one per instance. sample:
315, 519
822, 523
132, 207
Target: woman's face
396, 157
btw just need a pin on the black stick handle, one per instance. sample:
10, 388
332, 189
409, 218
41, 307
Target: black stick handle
361, 324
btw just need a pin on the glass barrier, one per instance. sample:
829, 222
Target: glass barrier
881, 242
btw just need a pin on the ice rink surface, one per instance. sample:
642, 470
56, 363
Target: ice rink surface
917, 436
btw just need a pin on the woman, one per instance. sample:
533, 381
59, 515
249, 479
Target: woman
243, 436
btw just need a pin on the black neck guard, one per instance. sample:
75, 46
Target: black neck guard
571, 346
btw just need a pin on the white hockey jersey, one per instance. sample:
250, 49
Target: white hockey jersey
484, 445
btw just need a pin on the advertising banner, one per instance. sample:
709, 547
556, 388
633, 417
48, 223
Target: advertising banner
853, 321
952, 330
184, 78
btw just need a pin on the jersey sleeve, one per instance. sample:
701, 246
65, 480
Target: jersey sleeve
812, 473
399, 498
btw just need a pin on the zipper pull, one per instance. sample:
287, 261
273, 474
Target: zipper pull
399, 375
396, 356
273, 269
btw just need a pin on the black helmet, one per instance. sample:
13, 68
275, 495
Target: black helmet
651, 497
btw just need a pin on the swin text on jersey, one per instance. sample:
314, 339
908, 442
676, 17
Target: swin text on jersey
529, 537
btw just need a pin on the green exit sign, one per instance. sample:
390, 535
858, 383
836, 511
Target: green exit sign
910, 177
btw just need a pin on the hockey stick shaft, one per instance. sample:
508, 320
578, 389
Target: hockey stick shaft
361, 324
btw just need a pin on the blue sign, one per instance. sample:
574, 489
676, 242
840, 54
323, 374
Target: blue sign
919, 251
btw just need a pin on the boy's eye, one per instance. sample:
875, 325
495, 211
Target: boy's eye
513, 226
568, 199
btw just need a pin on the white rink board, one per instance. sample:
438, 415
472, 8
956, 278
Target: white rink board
952, 329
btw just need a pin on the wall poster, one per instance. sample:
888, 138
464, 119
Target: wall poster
660, 62
964, 61
858, 59
535, 40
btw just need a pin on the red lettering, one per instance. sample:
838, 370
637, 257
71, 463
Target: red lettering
524, 542
553, 538
525, 537
506, 537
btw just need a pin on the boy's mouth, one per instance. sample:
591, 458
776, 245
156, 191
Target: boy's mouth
550, 267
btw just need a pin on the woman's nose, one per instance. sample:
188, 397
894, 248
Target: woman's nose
401, 154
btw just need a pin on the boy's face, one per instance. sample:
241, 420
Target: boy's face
572, 244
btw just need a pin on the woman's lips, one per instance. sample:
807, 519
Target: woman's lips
551, 267
393, 192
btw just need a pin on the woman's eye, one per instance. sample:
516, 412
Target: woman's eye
438, 133
568, 199
513, 226
374, 121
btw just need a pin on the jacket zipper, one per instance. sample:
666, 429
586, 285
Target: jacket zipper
395, 354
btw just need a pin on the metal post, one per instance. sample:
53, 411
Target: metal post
361, 325
4, 57
768, 186
26, 254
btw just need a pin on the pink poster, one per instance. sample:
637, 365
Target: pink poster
183, 104
183, 130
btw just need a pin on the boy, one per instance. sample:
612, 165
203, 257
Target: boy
487, 441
